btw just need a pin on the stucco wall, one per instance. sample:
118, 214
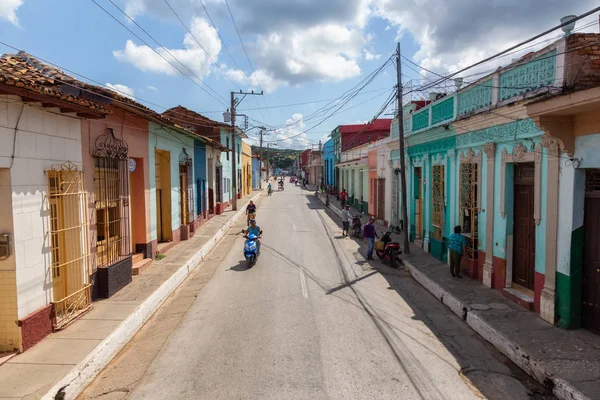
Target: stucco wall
43, 139
165, 139
200, 172
226, 161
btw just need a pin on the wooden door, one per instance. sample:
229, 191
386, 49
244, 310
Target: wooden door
591, 253
418, 190
381, 199
524, 226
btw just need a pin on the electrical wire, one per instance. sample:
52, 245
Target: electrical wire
222, 101
199, 44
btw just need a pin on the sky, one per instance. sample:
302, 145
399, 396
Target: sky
301, 53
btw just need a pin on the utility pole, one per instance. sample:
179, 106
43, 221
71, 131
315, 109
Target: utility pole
402, 156
260, 160
234, 104
321, 162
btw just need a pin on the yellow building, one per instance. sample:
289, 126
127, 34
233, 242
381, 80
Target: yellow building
246, 169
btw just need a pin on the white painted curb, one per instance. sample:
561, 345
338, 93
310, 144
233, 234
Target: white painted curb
562, 389
84, 373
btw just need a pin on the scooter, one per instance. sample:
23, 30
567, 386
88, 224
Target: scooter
357, 226
390, 250
251, 250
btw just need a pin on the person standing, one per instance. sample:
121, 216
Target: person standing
457, 242
370, 234
343, 197
346, 220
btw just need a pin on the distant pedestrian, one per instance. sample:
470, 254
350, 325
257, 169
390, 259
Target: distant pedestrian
457, 242
343, 197
346, 220
370, 234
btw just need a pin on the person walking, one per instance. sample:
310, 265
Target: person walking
346, 220
343, 197
370, 234
457, 242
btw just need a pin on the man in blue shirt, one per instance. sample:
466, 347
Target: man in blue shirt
256, 231
457, 242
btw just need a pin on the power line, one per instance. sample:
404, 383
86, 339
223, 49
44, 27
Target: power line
161, 56
485, 60
246, 52
199, 44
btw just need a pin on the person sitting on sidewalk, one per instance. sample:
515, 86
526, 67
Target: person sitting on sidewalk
457, 242
370, 234
346, 220
343, 197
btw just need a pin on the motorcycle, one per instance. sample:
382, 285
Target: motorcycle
251, 250
280, 185
388, 251
357, 226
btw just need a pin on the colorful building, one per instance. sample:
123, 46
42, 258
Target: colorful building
328, 162
246, 168
501, 157
77, 195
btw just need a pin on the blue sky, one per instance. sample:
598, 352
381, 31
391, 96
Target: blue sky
303, 50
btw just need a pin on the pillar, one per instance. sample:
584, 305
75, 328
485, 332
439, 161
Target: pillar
488, 266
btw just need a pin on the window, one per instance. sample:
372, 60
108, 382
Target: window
437, 205
112, 201
69, 245
469, 205
111, 184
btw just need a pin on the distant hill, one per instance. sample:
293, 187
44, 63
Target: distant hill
282, 158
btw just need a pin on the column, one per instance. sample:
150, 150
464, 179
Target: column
547, 298
426, 201
488, 266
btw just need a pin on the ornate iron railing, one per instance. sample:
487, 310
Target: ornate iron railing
437, 202
111, 183
69, 242
469, 205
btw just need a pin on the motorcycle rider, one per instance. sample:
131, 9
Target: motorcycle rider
269, 189
255, 230
250, 212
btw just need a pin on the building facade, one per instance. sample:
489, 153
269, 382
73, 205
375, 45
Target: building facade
499, 158
328, 163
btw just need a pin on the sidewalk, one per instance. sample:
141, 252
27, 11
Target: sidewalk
72, 357
566, 362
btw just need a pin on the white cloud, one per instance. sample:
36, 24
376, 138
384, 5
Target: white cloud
290, 136
153, 88
8, 10
320, 53
454, 35
192, 55
122, 90
370, 56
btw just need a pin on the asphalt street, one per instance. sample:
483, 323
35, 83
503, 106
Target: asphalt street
311, 320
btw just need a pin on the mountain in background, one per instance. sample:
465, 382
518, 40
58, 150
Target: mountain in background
281, 158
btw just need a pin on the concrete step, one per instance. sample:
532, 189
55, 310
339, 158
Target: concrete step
141, 266
137, 257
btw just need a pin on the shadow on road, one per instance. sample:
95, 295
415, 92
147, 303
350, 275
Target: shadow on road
240, 267
482, 367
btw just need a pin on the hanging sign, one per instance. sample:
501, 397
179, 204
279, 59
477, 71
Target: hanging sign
132, 164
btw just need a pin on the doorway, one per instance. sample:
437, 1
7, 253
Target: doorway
162, 164
137, 207
381, 199
524, 226
418, 190
591, 252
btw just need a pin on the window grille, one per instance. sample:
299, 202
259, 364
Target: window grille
469, 206
69, 241
437, 204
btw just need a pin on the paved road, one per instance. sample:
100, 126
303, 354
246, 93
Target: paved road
312, 320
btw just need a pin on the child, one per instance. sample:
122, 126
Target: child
457, 243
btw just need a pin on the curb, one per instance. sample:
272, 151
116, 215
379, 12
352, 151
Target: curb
561, 388
83, 373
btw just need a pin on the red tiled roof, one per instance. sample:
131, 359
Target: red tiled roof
25, 72
377, 125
